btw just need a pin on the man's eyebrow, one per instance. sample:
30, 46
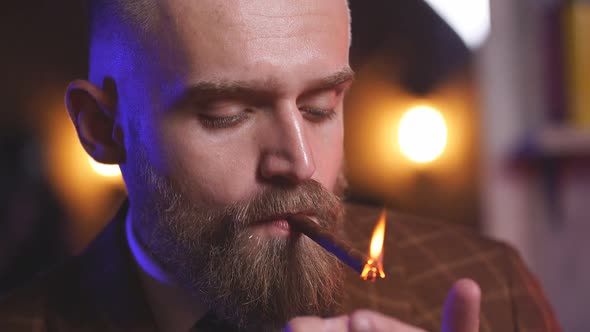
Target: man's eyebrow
211, 89
333, 80
222, 88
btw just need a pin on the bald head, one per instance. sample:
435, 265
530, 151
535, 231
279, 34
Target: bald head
121, 30
104, 14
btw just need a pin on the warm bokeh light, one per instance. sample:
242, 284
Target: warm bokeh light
104, 169
89, 198
422, 134
379, 171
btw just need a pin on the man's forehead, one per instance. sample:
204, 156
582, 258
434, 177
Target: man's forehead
246, 13
213, 38
269, 8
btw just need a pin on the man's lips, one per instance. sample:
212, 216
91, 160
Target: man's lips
279, 221
281, 224
282, 217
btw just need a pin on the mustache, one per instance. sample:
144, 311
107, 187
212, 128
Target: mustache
308, 197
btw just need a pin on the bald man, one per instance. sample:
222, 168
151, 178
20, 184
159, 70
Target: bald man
225, 118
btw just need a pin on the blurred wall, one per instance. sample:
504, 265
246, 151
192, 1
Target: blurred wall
543, 208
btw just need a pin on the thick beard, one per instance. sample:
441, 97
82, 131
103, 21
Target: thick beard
252, 282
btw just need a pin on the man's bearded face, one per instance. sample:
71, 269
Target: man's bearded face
232, 115
253, 281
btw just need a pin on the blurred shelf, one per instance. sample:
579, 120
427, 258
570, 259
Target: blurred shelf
546, 153
555, 143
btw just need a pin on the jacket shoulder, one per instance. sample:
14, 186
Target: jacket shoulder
408, 230
434, 254
30, 308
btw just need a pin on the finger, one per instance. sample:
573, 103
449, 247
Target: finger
461, 311
370, 321
309, 323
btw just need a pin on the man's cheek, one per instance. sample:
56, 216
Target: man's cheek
329, 167
217, 180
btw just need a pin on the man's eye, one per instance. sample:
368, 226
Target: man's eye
318, 115
219, 122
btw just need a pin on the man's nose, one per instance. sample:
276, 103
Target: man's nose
287, 155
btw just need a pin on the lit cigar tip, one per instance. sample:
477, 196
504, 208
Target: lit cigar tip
369, 269
373, 268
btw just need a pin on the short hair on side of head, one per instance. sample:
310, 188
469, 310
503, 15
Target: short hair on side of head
114, 25
141, 15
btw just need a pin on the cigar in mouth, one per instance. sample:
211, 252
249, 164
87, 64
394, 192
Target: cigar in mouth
329, 241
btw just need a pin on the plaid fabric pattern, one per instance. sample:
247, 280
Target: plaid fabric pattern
424, 258
99, 291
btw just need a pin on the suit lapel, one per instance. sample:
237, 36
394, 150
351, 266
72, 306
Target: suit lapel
110, 279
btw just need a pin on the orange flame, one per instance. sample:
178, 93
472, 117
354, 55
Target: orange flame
374, 266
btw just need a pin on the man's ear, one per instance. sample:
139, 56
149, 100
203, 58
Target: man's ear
93, 112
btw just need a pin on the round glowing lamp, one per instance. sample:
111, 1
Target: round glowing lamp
422, 134
104, 169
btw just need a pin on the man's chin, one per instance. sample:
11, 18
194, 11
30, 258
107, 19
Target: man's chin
265, 281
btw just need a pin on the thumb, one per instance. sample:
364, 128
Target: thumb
461, 311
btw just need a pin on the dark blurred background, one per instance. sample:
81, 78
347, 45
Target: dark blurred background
470, 112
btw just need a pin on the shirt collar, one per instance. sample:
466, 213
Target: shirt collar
173, 307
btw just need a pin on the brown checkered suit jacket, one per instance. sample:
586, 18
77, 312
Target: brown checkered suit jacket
99, 291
